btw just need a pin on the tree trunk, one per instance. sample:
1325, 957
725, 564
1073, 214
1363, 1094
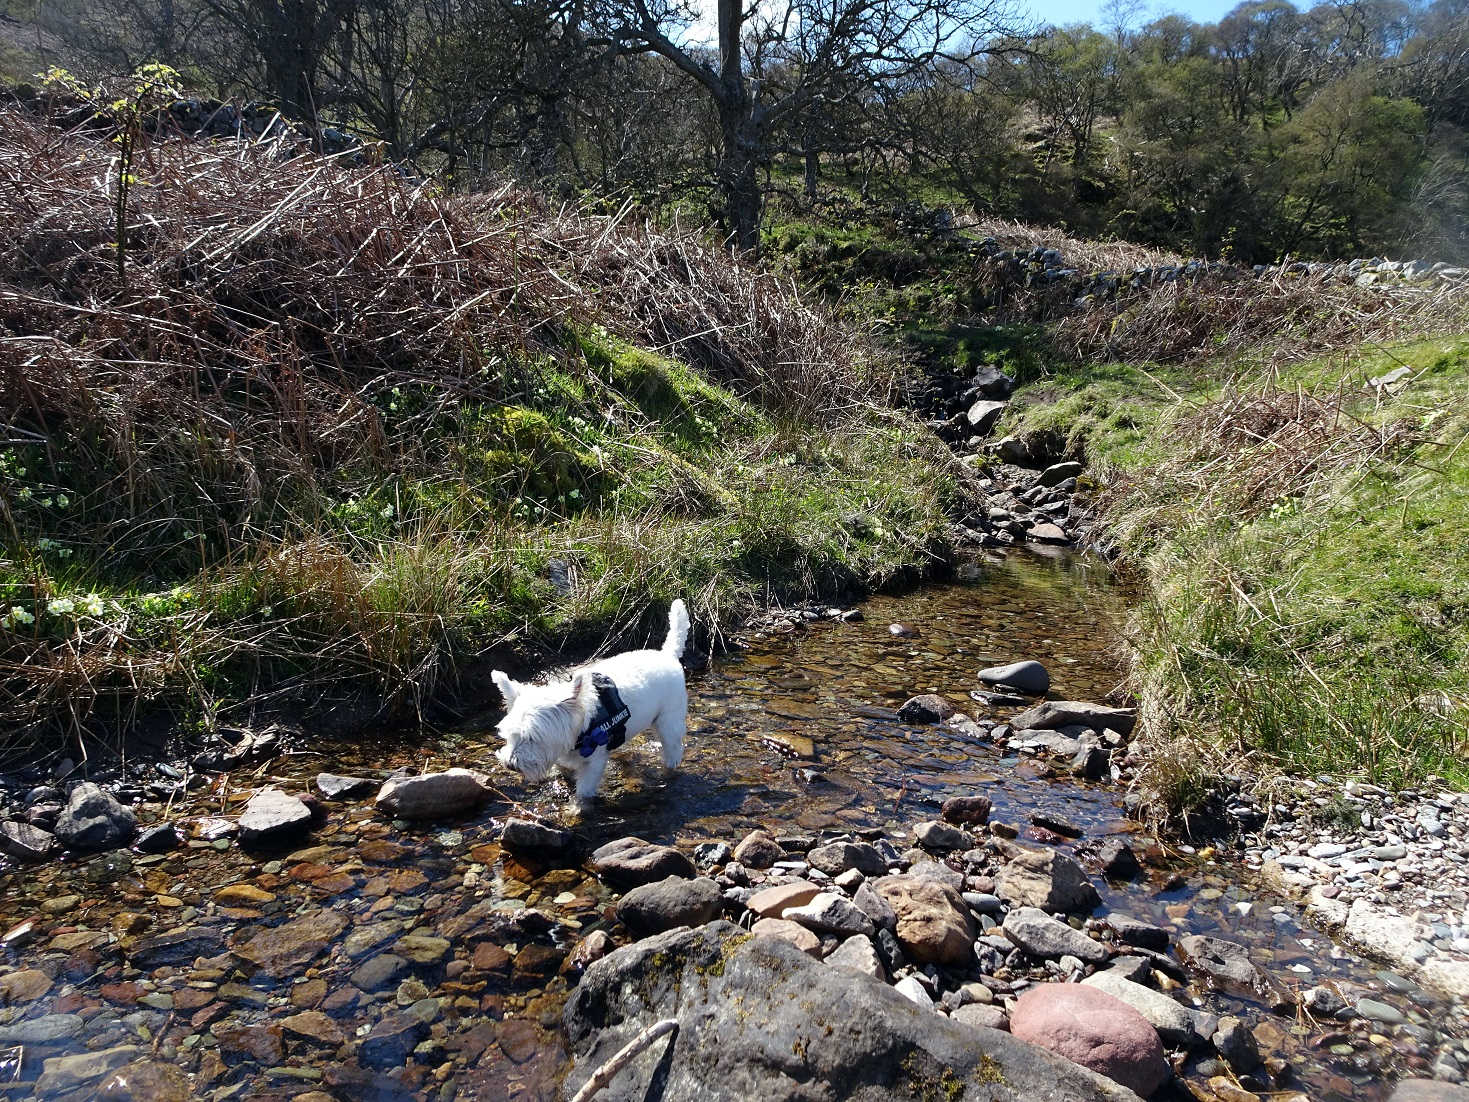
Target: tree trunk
813, 172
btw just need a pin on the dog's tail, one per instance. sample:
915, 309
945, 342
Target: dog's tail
678, 630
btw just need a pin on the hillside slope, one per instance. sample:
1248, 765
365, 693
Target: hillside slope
327, 432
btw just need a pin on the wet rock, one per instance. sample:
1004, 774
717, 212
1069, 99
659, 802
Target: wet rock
536, 839
1040, 935
392, 1040
379, 972
25, 842
939, 835
1028, 676
1046, 879
1225, 962
875, 907
774, 901
263, 1044
762, 1020
674, 901
1095, 1030
146, 1081
313, 1026
1049, 820
1176, 1024
838, 857
48, 1029
970, 810
802, 938
759, 850
242, 895
1323, 1002
1132, 931
1117, 860
933, 923
631, 862
336, 787
1234, 1041
93, 819
928, 708
285, 950
1053, 715
858, 954
423, 950
593, 947
159, 839
273, 817
446, 795
830, 913
175, 947
1377, 1011
65, 1073
1046, 532
24, 986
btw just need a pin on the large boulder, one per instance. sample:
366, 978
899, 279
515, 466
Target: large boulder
629, 862
1047, 879
93, 819
758, 1019
446, 795
1053, 715
933, 921
1092, 1028
674, 901
25, 842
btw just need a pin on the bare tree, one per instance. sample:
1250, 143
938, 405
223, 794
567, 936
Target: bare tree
773, 61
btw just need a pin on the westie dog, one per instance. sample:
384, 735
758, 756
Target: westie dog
576, 724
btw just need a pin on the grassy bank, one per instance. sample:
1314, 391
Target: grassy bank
1301, 538
326, 434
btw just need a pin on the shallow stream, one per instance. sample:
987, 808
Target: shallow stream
417, 940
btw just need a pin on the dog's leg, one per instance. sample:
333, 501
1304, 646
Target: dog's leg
670, 727
589, 778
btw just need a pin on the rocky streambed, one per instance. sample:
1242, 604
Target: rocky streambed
847, 891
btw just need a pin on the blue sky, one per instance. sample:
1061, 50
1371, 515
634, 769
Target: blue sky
1063, 12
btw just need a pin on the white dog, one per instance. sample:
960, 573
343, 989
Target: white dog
576, 724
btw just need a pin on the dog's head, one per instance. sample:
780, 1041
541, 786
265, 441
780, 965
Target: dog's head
541, 722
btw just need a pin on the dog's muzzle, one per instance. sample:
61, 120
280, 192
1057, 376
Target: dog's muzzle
506, 755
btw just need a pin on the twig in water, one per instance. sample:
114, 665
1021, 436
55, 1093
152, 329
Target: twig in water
624, 1056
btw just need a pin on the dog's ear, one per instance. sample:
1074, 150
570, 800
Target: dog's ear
508, 689
582, 690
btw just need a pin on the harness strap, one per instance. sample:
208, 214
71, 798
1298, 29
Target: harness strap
609, 721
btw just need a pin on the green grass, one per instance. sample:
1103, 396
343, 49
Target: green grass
627, 471
1302, 546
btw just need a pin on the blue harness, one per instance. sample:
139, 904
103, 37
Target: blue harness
609, 720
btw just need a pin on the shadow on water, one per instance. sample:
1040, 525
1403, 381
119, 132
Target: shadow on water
428, 952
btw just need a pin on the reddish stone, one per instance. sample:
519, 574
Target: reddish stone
379, 852
1091, 1028
336, 883
261, 1043
308, 871
406, 880
123, 994
489, 957
192, 998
